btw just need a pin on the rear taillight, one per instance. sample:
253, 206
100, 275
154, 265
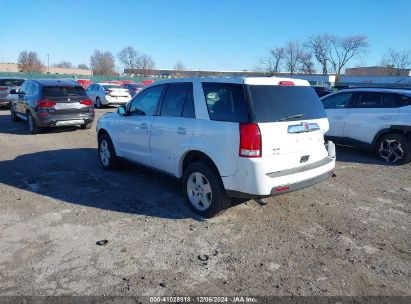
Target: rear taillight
44, 103
250, 140
286, 83
2, 89
87, 102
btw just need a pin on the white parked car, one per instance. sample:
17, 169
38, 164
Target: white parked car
376, 119
223, 137
104, 94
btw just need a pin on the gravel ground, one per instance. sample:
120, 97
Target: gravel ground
346, 236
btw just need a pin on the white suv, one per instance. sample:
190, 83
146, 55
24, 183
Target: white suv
377, 119
224, 137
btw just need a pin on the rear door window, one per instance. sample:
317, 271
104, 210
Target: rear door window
189, 110
226, 101
403, 100
285, 103
337, 101
368, 100
388, 101
174, 99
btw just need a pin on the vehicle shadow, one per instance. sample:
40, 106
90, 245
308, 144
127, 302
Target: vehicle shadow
75, 176
348, 154
7, 126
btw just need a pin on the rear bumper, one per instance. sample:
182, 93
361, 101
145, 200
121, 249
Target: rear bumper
251, 181
117, 101
53, 121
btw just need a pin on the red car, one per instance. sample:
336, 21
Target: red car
85, 83
147, 82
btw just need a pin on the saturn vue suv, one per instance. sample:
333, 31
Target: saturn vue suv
52, 103
223, 137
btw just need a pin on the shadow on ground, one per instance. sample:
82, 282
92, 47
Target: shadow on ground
75, 176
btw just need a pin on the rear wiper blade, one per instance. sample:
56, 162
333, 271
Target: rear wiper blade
291, 117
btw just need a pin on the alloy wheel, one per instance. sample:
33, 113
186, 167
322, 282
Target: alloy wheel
104, 153
391, 150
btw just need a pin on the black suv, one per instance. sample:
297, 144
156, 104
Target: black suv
52, 103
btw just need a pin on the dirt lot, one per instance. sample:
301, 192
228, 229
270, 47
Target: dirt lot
347, 236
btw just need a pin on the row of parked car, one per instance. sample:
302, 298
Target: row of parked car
226, 137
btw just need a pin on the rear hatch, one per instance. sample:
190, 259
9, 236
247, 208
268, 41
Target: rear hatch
292, 122
68, 100
116, 91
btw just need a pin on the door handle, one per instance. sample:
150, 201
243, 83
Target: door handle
181, 130
338, 117
143, 126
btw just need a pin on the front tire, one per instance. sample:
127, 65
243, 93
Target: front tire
86, 125
394, 148
32, 124
14, 117
107, 154
99, 105
204, 190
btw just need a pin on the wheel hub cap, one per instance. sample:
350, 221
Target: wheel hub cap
199, 191
104, 153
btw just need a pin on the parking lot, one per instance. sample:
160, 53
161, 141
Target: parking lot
346, 236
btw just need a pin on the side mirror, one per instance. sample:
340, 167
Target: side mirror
121, 110
13, 91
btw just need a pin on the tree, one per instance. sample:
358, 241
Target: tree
398, 59
82, 66
64, 64
102, 63
272, 63
179, 66
319, 45
293, 52
344, 49
29, 62
145, 64
307, 65
129, 57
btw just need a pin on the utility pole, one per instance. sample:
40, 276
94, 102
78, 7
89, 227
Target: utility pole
48, 63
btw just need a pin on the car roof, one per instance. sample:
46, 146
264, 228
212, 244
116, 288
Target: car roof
18, 78
387, 90
57, 82
239, 80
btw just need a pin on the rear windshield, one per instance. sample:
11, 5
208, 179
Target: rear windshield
59, 91
110, 86
11, 82
284, 103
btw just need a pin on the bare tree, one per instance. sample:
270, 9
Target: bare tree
102, 63
344, 49
82, 66
307, 65
129, 57
272, 63
293, 52
179, 66
399, 59
145, 65
319, 45
64, 64
29, 62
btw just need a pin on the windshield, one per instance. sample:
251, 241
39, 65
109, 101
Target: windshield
11, 82
284, 103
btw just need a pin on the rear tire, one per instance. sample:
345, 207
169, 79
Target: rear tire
204, 190
107, 155
394, 148
86, 125
32, 124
